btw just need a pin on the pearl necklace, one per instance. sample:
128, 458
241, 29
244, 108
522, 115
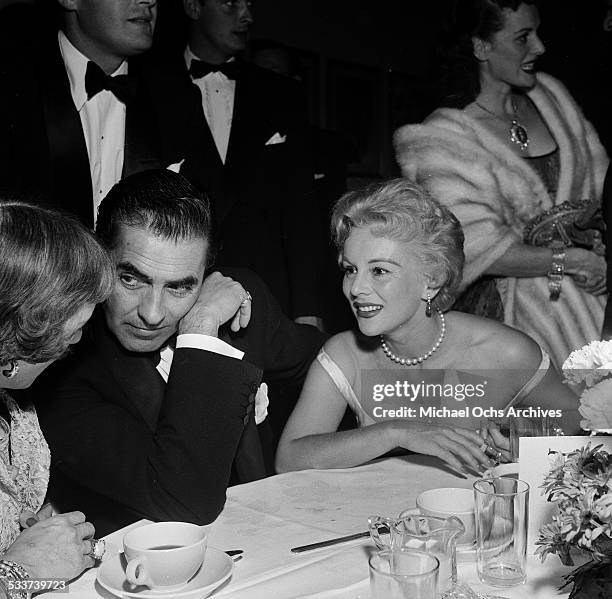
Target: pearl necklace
518, 133
419, 359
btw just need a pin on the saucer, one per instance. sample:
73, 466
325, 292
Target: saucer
217, 568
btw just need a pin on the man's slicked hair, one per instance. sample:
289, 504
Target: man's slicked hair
161, 201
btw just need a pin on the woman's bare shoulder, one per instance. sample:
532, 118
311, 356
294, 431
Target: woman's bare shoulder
494, 344
349, 350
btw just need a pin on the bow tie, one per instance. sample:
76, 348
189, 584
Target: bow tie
122, 86
199, 69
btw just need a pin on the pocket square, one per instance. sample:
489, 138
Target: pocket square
176, 167
261, 403
277, 138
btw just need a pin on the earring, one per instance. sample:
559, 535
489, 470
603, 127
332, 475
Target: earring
428, 306
11, 371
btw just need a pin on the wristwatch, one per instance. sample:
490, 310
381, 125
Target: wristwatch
555, 275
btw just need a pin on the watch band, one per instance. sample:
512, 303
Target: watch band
556, 272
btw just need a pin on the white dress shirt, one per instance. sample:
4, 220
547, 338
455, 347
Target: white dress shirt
195, 341
215, 345
102, 119
217, 102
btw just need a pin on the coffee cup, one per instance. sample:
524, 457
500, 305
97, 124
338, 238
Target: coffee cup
164, 555
446, 502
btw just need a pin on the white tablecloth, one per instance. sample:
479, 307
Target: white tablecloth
267, 518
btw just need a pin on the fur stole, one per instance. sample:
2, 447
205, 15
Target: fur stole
493, 191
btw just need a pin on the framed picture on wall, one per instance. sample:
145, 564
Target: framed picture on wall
355, 109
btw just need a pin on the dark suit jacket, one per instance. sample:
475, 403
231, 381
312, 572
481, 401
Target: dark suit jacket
119, 457
43, 155
263, 196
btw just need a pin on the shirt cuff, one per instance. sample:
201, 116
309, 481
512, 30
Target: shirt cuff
208, 343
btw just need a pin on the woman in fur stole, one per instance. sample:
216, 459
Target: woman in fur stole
513, 157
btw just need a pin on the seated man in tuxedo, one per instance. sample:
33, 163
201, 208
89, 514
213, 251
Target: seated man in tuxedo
84, 105
146, 416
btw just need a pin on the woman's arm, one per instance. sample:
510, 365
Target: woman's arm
521, 260
310, 439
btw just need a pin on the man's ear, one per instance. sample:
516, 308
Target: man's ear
192, 9
481, 48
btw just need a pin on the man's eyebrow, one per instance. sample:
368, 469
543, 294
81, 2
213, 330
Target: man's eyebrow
185, 282
132, 270
128, 267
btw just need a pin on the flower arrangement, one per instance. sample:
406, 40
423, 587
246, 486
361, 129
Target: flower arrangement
581, 484
589, 367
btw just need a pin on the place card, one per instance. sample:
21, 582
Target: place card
535, 462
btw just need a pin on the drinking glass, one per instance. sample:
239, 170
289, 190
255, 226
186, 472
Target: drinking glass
521, 426
403, 574
429, 534
502, 515
515, 427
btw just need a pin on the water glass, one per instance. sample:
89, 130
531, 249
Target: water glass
531, 427
403, 574
502, 515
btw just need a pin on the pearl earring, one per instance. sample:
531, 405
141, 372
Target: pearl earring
428, 306
11, 371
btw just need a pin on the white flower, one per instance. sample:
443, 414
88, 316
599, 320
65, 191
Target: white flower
602, 353
603, 508
261, 403
590, 363
596, 406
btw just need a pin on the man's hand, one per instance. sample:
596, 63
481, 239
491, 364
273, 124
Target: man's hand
221, 299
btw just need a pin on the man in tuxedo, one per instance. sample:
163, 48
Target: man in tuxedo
80, 107
258, 156
144, 419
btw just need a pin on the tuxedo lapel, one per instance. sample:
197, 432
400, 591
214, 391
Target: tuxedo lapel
71, 178
251, 128
141, 384
142, 144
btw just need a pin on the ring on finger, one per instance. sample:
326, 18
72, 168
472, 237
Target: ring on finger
98, 547
492, 452
248, 298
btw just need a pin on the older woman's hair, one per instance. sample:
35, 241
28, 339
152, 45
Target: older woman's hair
402, 210
159, 200
50, 267
469, 19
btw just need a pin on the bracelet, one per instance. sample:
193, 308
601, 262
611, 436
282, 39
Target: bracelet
12, 571
555, 275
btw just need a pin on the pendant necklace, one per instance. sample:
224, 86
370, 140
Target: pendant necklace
518, 133
418, 359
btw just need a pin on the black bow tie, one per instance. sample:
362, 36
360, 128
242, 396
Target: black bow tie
122, 86
199, 69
